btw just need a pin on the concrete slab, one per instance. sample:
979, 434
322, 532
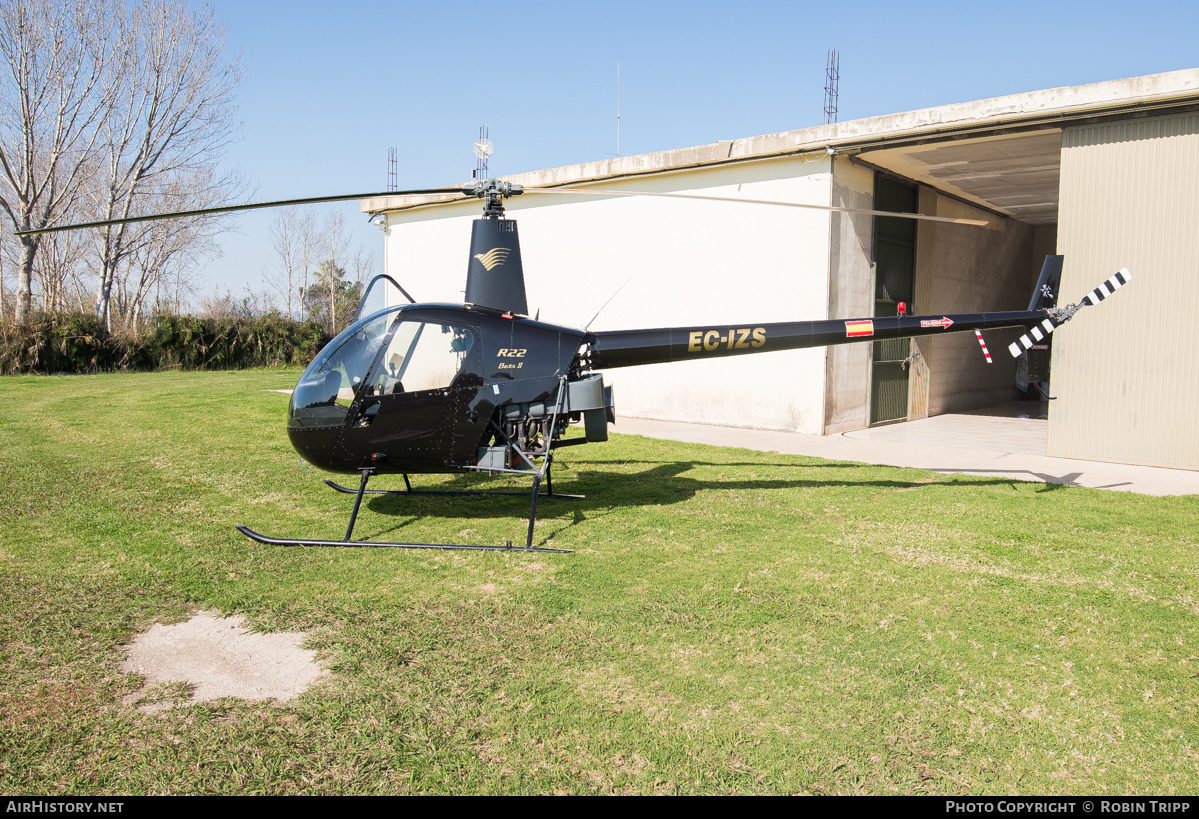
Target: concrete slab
217, 657
1006, 441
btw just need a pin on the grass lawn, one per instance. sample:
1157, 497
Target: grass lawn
730, 621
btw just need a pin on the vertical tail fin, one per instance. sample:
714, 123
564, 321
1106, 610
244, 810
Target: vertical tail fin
1045, 294
1044, 297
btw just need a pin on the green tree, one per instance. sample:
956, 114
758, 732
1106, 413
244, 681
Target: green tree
332, 300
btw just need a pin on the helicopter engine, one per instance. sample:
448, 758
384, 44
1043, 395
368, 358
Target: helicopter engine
534, 427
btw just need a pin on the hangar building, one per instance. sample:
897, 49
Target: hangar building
1106, 174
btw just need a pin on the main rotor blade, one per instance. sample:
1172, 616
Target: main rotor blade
281, 203
607, 192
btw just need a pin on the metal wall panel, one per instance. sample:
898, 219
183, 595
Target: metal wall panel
1126, 372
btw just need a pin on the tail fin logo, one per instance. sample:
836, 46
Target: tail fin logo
493, 258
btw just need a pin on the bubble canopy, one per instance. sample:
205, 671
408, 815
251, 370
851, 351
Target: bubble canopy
384, 354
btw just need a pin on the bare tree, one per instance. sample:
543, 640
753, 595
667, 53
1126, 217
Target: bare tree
54, 58
173, 118
173, 290
335, 245
293, 238
152, 251
58, 268
363, 265
4, 302
159, 252
321, 261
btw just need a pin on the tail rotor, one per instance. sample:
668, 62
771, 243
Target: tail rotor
1060, 315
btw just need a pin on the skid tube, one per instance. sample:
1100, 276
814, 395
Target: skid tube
278, 541
362, 490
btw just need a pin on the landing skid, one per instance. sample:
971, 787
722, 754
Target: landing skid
279, 541
362, 490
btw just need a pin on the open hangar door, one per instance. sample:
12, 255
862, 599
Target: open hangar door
1128, 383
1009, 179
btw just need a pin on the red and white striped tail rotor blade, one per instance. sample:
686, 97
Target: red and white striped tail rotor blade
983, 344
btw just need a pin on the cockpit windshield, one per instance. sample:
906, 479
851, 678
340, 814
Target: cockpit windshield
327, 388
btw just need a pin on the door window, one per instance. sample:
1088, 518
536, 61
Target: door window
421, 356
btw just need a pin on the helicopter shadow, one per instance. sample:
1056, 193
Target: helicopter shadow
816, 464
664, 483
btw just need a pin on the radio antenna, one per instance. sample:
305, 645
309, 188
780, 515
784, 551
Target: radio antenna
483, 149
618, 109
832, 84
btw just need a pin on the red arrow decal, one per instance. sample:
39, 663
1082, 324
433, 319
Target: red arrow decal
941, 322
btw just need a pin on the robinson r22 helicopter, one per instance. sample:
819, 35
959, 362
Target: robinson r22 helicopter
482, 387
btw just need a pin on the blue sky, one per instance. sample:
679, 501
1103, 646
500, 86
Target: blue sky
330, 87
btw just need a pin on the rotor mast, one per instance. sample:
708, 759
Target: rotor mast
495, 277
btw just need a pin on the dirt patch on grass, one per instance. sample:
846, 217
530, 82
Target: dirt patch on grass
216, 657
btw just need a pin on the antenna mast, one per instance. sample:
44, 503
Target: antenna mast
832, 82
609, 153
393, 163
483, 149
618, 109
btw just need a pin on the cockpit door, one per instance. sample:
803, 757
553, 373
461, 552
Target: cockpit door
410, 403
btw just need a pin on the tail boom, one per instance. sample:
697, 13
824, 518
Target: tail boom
628, 348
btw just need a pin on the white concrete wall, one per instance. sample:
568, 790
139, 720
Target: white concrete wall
690, 262
850, 296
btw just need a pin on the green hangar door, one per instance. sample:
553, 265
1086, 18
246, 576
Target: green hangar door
894, 275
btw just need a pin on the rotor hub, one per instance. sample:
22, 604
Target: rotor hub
493, 192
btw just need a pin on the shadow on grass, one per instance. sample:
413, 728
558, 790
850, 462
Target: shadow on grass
654, 482
664, 484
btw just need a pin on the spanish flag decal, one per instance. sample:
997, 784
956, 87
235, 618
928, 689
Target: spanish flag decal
859, 328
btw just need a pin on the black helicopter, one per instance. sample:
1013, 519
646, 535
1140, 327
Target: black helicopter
482, 387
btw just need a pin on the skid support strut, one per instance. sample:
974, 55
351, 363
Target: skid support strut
409, 490
533, 510
366, 474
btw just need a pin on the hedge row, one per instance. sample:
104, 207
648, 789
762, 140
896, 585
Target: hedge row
78, 343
